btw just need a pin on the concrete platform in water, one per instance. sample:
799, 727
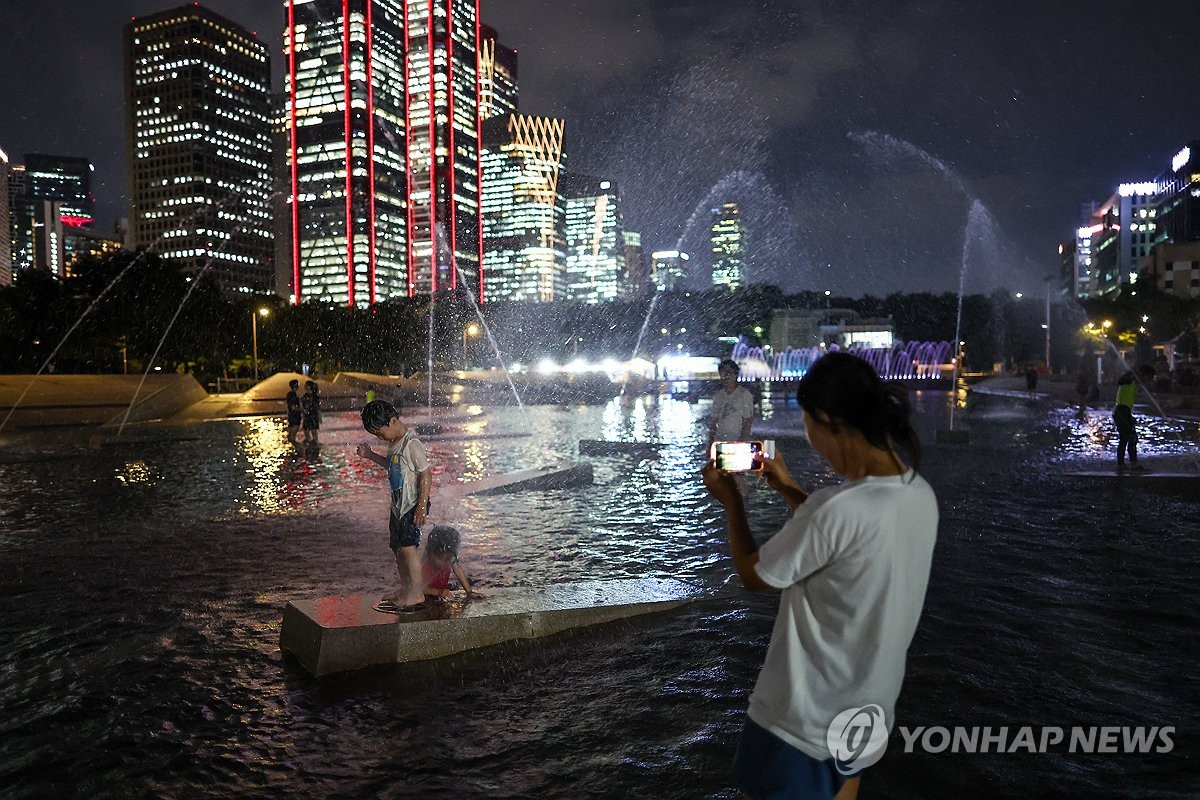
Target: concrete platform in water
555, 476
336, 634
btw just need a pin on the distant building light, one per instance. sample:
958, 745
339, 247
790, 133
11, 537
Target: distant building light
1181, 159
670, 254
1146, 187
605, 184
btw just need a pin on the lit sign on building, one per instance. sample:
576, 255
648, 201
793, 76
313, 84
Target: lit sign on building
1146, 187
1181, 159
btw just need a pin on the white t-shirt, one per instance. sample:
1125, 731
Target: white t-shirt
406, 459
730, 409
853, 563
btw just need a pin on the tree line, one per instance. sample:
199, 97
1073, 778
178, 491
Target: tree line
128, 312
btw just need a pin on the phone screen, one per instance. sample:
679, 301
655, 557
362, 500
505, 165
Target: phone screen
736, 456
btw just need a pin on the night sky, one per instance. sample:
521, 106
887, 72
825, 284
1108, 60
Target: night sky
813, 115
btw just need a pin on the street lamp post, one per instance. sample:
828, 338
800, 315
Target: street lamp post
254, 315
470, 330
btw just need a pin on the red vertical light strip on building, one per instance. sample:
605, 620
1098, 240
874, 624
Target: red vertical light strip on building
346, 123
408, 177
478, 157
294, 152
451, 203
432, 161
370, 155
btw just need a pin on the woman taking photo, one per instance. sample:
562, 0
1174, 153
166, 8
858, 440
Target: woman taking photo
852, 564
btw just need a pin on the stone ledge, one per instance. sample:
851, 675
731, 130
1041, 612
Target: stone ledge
336, 634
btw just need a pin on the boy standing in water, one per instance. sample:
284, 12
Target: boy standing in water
410, 479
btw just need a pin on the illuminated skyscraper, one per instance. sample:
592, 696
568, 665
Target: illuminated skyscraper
523, 209
592, 232
197, 110
383, 116
635, 278
49, 193
497, 76
728, 247
5, 225
669, 268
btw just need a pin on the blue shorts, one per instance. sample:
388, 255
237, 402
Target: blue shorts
768, 768
404, 529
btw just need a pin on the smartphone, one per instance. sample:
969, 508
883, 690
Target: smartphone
736, 456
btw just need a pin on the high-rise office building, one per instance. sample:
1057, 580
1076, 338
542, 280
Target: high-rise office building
1177, 197
281, 207
668, 269
49, 195
635, 278
197, 105
497, 76
728, 240
5, 224
383, 117
594, 246
1119, 234
523, 209
66, 179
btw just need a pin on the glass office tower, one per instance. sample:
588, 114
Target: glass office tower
197, 109
592, 232
383, 118
728, 240
522, 208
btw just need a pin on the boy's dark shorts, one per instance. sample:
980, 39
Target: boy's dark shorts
768, 768
404, 530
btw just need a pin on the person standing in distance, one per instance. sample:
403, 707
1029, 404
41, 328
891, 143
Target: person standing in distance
1127, 437
293, 409
852, 565
310, 412
732, 407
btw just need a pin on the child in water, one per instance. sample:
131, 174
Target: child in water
439, 560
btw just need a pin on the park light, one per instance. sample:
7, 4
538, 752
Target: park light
1019, 295
471, 330
1106, 324
262, 311
758, 330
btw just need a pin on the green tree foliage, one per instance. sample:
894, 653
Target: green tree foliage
126, 304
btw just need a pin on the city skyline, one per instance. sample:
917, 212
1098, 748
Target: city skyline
655, 99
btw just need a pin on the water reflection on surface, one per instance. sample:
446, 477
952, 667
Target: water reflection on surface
143, 585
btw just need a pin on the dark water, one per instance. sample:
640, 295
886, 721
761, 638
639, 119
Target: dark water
142, 585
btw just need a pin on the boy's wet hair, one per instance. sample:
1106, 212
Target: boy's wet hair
443, 540
377, 414
293, 384
729, 364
